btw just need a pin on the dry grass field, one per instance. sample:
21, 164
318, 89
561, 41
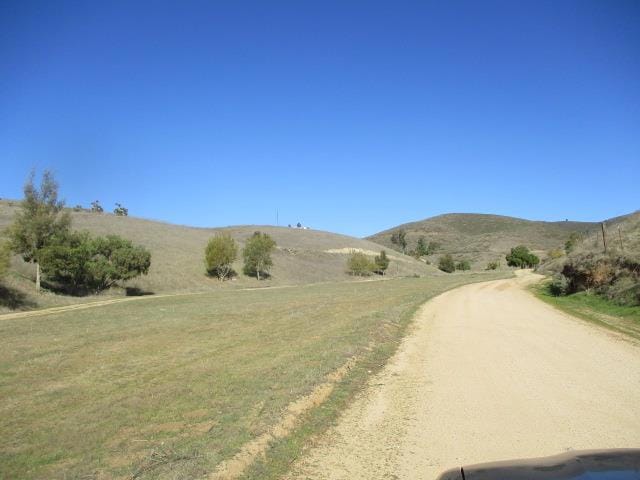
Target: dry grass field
169, 387
177, 263
482, 238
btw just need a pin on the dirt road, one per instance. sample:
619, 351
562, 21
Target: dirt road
488, 373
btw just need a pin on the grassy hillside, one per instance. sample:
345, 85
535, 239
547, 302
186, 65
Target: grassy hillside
481, 238
302, 256
622, 234
169, 387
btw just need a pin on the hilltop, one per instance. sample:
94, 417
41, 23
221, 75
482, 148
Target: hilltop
481, 238
302, 256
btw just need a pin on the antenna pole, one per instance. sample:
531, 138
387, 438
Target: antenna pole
604, 238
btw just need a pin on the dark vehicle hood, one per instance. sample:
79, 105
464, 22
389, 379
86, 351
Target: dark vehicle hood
617, 464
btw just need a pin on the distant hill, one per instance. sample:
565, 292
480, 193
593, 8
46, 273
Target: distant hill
302, 256
481, 238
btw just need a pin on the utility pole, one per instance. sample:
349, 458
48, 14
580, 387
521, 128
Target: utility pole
604, 238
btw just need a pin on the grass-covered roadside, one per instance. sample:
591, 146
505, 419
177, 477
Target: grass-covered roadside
594, 308
169, 387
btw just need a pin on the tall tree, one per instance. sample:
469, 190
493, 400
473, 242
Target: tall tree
40, 220
257, 254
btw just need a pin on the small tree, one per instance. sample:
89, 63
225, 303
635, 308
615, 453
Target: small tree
521, 257
257, 254
39, 221
463, 265
381, 262
96, 207
121, 211
360, 264
219, 256
399, 238
422, 248
447, 264
432, 247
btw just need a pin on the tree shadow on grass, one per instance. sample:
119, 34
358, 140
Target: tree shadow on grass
136, 292
14, 299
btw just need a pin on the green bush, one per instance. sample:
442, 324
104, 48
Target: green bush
359, 264
80, 264
463, 265
521, 257
559, 285
219, 255
447, 264
257, 255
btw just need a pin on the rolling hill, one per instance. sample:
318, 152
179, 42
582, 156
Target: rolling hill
302, 256
481, 238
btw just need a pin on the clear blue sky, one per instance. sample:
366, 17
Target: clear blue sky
346, 116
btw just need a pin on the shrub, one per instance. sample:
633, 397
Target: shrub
614, 277
360, 264
463, 265
493, 265
220, 253
381, 263
447, 264
521, 257
559, 285
79, 263
257, 254
625, 290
